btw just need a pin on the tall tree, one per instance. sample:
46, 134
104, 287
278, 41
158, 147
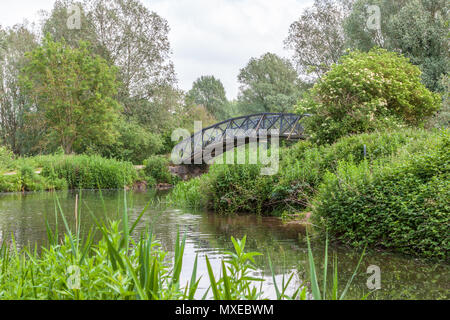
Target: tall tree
128, 35
268, 84
68, 20
14, 102
317, 37
209, 92
137, 42
416, 28
73, 91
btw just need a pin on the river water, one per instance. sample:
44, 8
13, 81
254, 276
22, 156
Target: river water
402, 277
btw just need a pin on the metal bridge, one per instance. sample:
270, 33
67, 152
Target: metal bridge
231, 133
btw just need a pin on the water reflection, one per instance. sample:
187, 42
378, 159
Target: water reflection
401, 277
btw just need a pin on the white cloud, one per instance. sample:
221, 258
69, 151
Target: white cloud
16, 11
218, 37
208, 37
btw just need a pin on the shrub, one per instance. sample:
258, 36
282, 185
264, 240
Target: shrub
189, 194
303, 166
400, 205
25, 179
157, 170
6, 158
134, 143
237, 188
367, 92
10, 183
91, 172
226, 188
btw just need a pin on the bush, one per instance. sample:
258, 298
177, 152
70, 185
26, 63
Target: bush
91, 172
400, 205
303, 166
227, 189
133, 144
6, 158
157, 171
366, 92
25, 179
237, 188
10, 183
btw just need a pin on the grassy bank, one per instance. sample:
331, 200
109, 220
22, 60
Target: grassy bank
312, 178
56, 172
59, 172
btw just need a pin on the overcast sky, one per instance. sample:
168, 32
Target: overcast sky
208, 37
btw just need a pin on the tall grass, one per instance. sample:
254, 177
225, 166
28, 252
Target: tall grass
120, 266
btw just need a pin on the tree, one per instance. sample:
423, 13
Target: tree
209, 92
317, 37
73, 91
56, 24
367, 92
268, 84
136, 40
126, 34
14, 102
416, 28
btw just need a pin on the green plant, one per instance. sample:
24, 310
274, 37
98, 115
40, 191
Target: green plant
367, 92
401, 205
315, 287
90, 172
157, 169
6, 158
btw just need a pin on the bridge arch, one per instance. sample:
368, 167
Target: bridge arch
284, 125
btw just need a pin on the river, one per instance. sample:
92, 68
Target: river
402, 277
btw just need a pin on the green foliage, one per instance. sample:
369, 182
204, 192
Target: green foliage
157, 170
417, 28
367, 92
6, 158
74, 91
400, 205
15, 131
317, 37
441, 119
10, 183
241, 188
237, 188
91, 172
134, 143
189, 194
209, 92
268, 84
26, 179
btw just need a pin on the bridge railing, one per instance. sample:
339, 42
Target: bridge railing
287, 126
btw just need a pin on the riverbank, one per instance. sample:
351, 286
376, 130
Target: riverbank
385, 189
59, 172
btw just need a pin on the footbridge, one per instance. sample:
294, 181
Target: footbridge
226, 135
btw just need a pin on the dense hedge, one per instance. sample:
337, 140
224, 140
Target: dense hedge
401, 204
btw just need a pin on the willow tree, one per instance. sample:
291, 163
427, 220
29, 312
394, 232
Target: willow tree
73, 92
